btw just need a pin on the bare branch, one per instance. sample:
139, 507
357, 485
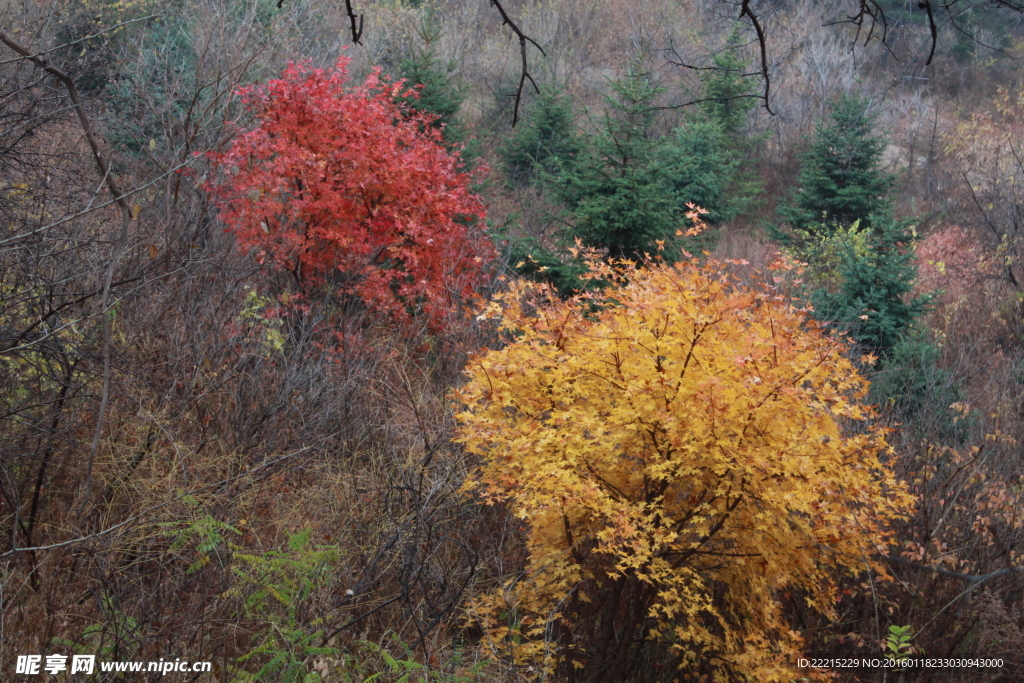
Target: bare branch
524, 72
83, 39
83, 118
867, 10
972, 579
762, 42
702, 100
143, 513
926, 5
356, 22
126, 215
870, 12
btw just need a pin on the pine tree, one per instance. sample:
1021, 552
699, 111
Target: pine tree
841, 179
544, 141
861, 264
704, 170
626, 187
619, 194
629, 188
873, 299
728, 100
440, 92
727, 95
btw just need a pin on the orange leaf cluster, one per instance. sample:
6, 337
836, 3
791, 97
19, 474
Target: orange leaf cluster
682, 450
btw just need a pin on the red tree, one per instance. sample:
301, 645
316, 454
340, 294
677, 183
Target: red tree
342, 185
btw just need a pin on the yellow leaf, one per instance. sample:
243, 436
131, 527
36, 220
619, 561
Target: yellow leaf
663, 438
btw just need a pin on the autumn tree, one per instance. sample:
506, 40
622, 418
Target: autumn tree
681, 452
343, 186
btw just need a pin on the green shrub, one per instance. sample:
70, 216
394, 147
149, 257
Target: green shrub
913, 390
278, 588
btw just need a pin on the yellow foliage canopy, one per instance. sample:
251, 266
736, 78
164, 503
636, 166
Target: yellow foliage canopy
681, 450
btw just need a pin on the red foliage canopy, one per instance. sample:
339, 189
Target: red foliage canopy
343, 184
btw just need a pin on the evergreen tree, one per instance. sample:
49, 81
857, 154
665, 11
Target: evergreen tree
704, 170
860, 256
841, 180
544, 144
527, 257
440, 92
625, 187
620, 194
728, 100
629, 187
917, 393
727, 95
544, 141
872, 300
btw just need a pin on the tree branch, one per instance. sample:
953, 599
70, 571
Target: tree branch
973, 579
152, 508
926, 5
762, 42
355, 22
524, 72
83, 39
115, 191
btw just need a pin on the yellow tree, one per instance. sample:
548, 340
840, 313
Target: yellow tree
682, 451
